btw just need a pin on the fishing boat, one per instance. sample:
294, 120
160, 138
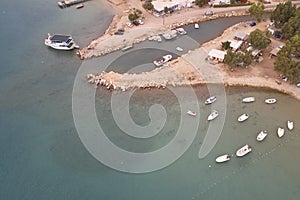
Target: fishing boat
196, 26
270, 101
162, 60
210, 100
223, 158
179, 49
248, 99
261, 136
290, 125
192, 113
243, 151
213, 115
280, 132
243, 117
60, 42
80, 6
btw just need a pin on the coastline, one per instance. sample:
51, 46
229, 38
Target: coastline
182, 71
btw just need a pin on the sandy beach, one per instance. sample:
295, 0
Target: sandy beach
186, 70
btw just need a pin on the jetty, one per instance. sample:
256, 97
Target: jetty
67, 3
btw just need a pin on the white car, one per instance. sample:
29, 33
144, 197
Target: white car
129, 24
141, 22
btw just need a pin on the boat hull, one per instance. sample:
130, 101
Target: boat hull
223, 158
290, 125
248, 99
270, 101
280, 132
243, 117
243, 151
261, 136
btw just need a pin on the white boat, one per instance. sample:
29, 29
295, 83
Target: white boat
248, 99
192, 113
179, 49
162, 60
261, 136
196, 26
270, 101
60, 42
210, 100
223, 158
181, 31
280, 132
127, 47
213, 115
290, 125
243, 117
244, 150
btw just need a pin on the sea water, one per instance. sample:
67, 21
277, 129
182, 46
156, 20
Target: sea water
42, 156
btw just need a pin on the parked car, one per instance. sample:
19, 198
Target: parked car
136, 23
252, 24
119, 33
141, 22
129, 24
209, 13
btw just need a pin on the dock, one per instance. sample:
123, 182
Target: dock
67, 3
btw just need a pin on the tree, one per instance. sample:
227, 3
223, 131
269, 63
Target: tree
148, 6
258, 40
282, 13
292, 26
257, 11
200, 3
225, 45
233, 59
134, 15
287, 61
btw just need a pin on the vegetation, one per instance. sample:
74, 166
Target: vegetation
258, 40
135, 14
292, 26
232, 5
225, 45
233, 59
282, 13
257, 11
200, 3
148, 6
288, 59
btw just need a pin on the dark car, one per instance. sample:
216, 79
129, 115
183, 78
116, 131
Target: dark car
136, 23
119, 33
252, 24
209, 13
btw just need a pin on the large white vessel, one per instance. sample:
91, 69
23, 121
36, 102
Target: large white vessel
60, 42
243, 151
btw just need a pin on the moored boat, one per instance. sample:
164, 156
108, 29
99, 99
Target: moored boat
248, 99
80, 6
222, 158
210, 100
243, 117
261, 136
162, 60
179, 49
280, 132
60, 42
290, 125
196, 25
213, 115
270, 101
192, 113
181, 31
244, 150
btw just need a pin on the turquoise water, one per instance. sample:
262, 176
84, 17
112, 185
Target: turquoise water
42, 157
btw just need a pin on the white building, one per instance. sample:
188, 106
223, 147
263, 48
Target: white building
216, 55
235, 45
159, 5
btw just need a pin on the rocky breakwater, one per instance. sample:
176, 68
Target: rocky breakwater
158, 78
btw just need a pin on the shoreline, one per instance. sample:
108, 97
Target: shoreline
183, 71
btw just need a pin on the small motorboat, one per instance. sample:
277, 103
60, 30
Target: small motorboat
162, 60
290, 125
243, 151
213, 115
60, 42
280, 132
261, 136
243, 117
270, 101
179, 49
223, 158
196, 26
248, 99
210, 100
181, 31
192, 113
80, 6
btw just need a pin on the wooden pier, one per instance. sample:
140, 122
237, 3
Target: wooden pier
67, 3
